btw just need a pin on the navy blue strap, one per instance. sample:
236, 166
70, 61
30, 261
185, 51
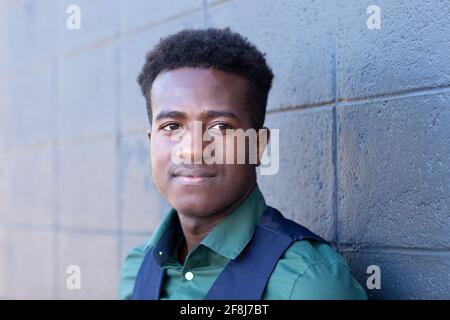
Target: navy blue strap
245, 278
149, 279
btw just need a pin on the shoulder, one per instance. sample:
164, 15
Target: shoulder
319, 272
128, 271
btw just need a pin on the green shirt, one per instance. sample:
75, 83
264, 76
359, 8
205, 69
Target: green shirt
307, 269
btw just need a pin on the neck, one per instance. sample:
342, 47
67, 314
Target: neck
196, 228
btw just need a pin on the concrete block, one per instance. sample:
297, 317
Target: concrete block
297, 37
31, 264
29, 35
303, 188
87, 195
404, 275
87, 94
96, 257
30, 187
32, 104
393, 172
99, 24
5, 263
152, 13
410, 51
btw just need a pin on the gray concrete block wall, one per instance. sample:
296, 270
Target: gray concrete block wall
363, 118
303, 187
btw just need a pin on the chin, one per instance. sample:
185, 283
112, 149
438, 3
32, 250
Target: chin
192, 205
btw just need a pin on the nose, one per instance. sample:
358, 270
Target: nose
190, 147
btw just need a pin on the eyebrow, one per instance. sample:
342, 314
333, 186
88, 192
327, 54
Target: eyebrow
218, 114
207, 114
170, 114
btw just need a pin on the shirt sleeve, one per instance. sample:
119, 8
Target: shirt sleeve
327, 281
128, 272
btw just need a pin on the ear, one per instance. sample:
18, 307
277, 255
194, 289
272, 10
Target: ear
263, 140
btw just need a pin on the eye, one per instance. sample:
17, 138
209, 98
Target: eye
170, 127
220, 126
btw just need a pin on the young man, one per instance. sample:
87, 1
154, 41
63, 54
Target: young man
219, 240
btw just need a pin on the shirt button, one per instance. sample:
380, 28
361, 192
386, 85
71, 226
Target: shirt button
189, 276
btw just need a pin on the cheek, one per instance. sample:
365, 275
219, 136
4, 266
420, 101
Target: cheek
159, 157
236, 151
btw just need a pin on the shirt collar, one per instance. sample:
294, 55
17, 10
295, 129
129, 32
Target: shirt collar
228, 238
166, 237
232, 234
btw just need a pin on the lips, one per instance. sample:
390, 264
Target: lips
193, 175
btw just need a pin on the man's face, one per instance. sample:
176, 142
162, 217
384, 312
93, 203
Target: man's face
216, 100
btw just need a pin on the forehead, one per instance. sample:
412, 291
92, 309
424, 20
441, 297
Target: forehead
197, 87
